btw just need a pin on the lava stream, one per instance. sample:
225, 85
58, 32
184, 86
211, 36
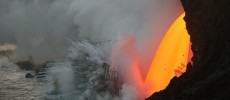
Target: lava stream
170, 59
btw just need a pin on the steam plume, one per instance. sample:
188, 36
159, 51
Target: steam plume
40, 28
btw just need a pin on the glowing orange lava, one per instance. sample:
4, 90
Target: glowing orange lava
170, 59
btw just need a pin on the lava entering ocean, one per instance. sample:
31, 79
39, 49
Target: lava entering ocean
170, 59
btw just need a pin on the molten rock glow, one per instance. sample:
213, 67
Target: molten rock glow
170, 59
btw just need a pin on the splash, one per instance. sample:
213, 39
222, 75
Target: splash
170, 59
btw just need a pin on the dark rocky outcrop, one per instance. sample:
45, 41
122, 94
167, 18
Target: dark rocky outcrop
40, 70
208, 23
26, 65
29, 75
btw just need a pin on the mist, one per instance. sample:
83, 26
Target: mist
37, 27
41, 28
112, 32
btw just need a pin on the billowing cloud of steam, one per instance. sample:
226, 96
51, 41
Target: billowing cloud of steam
145, 20
40, 27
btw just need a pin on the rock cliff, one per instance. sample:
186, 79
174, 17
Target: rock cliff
208, 78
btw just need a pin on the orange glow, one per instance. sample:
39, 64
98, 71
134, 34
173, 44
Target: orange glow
170, 59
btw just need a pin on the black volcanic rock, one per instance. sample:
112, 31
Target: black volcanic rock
29, 75
208, 23
26, 65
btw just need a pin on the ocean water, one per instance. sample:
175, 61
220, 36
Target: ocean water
14, 85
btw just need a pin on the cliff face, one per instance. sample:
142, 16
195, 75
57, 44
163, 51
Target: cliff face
208, 78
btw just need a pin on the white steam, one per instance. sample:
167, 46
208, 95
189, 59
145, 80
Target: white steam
85, 73
40, 28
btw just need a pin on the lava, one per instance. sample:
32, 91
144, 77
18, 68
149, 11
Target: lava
171, 57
